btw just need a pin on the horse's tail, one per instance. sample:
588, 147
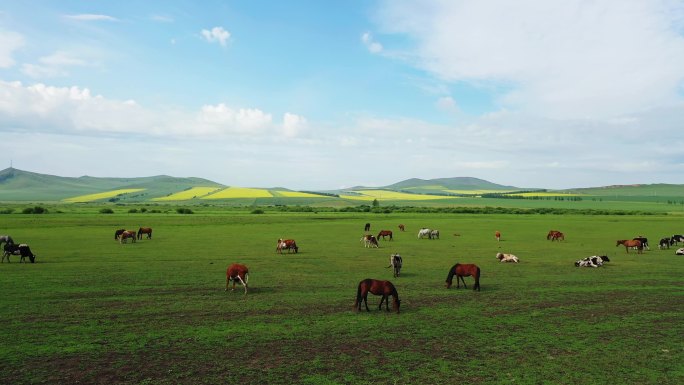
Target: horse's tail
477, 278
450, 276
357, 303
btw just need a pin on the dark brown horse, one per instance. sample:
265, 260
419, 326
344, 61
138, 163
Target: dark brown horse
402, 228
237, 272
145, 230
366, 227
631, 243
384, 233
377, 287
463, 270
117, 233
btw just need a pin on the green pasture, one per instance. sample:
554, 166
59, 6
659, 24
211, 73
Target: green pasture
93, 311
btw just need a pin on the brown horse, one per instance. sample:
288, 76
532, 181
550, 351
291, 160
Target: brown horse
402, 228
383, 234
145, 230
463, 270
377, 287
557, 236
497, 235
631, 243
237, 272
117, 233
551, 233
127, 234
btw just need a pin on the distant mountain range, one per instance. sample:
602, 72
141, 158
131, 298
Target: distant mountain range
25, 186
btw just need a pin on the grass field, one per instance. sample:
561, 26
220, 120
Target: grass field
94, 311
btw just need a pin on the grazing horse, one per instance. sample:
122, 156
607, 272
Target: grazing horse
402, 228
123, 237
369, 241
630, 243
497, 235
6, 239
664, 243
237, 272
377, 287
366, 227
424, 232
557, 236
286, 244
463, 270
395, 263
551, 233
13, 249
384, 233
145, 230
117, 233
434, 234
506, 257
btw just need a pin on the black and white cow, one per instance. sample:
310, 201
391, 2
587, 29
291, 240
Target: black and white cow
676, 239
644, 242
664, 243
13, 249
593, 261
395, 263
680, 251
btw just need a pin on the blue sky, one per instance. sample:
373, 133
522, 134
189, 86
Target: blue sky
332, 94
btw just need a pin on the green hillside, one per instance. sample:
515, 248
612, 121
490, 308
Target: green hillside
18, 185
445, 185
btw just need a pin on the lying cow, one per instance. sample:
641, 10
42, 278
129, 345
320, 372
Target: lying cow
13, 249
593, 261
395, 263
506, 257
680, 251
369, 241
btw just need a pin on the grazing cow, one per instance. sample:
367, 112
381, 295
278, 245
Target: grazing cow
434, 234
395, 264
593, 261
286, 244
127, 234
366, 227
643, 240
676, 239
497, 235
402, 228
369, 241
237, 272
13, 249
679, 251
145, 230
384, 233
424, 232
506, 257
664, 243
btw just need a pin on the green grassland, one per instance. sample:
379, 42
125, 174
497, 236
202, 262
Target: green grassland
94, 311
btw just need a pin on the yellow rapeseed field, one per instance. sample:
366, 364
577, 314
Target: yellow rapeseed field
296, 194
389, 195
546, 194
102, 195
240, 192
476, 192
188, 194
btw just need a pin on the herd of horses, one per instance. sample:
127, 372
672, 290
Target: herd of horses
122, 235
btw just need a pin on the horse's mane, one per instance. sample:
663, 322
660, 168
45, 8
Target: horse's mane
452, 272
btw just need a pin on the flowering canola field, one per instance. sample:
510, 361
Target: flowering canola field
102, 195
188, 194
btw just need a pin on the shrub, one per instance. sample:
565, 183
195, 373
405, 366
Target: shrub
182, 210
133, 211
258, 211
6, 211
106, 210
34, 210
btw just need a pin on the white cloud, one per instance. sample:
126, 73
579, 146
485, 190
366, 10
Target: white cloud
569, 59
371, 45
9, 42
91, 17
221, 118
216, 34
54, 65
447, 103
293, 125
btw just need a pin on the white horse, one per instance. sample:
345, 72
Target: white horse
506, 257
434, 234
422, 233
